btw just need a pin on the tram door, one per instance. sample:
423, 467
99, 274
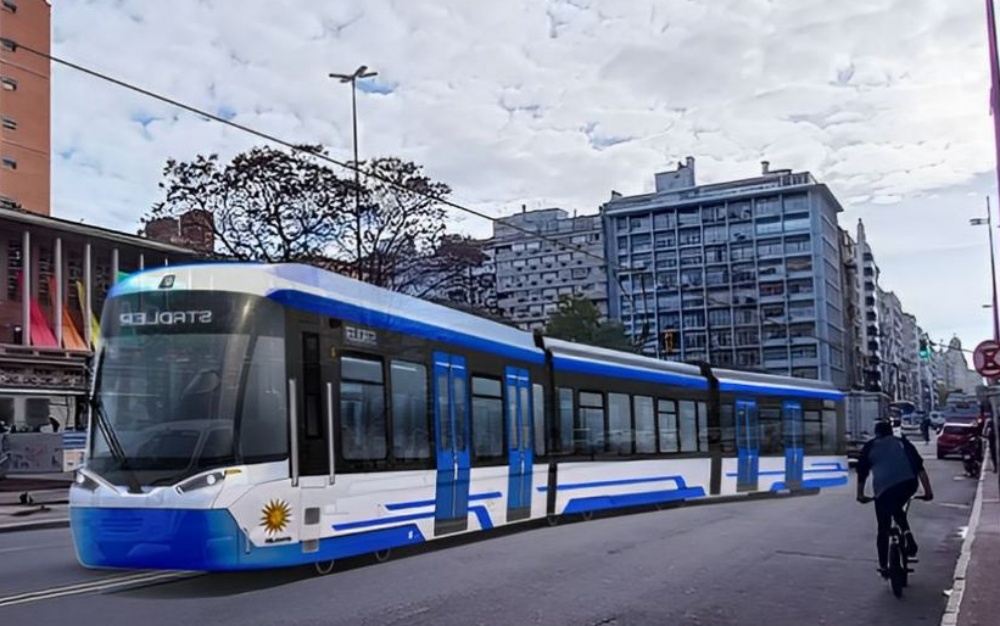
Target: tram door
312, 433
451, 429
794, 450
519, 446
747, 445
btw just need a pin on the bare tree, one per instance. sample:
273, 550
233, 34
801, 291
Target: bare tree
265, 204
402, 221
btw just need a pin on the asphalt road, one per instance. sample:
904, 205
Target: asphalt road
789, 562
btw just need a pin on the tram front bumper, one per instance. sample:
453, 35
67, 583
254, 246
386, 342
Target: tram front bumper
144, 538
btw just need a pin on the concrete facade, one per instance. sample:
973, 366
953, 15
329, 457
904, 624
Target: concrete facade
532, 273
743, 274
871, 333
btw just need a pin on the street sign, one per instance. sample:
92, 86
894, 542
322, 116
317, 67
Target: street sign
987, 359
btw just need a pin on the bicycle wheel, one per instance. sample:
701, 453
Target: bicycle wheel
897, 571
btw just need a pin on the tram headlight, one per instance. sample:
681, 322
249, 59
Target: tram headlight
202, 481
85, 482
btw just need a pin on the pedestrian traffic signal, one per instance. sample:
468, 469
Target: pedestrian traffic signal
668, 341
925, 352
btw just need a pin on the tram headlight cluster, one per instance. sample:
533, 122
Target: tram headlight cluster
200, 482
84, 481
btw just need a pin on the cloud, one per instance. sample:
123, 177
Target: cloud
557, 103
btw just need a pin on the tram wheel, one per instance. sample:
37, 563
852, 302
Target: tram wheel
324, 567
587, 515
553, 520
383, 555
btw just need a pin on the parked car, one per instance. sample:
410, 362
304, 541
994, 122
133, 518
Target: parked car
937, 419
954, 436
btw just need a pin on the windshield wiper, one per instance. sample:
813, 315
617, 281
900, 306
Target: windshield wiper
115, 445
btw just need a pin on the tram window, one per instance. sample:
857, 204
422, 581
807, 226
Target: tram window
688, 427
645, 425
566, 420
830, 431
410, 435
264, 419
539, 418
362, 409
526, 417
312, 397
727, 423
589, 435
444, 411
620, 423
770, 428
702, 427
812, 429
459, 386
667, 415
512, 433
487, 418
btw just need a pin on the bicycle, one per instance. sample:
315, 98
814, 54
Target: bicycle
899, 560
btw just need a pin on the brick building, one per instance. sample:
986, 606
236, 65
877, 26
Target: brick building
25, 105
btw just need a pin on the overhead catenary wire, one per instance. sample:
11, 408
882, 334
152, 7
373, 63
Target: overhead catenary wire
612, 269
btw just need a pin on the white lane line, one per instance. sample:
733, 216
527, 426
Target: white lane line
38, 547
94, 586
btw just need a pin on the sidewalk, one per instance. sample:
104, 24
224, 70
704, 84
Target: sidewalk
977, 584
48, 507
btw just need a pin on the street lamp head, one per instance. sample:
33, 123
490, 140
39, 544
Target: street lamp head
977, 221
361, 72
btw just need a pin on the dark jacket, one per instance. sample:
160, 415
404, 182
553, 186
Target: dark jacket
891, 460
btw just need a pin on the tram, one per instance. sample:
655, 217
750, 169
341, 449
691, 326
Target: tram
250, 416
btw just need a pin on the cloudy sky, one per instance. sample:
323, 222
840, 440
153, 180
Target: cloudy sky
556, 103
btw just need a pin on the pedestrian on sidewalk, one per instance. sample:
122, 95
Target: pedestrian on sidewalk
990, 433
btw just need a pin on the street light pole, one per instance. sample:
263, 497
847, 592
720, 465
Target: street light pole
978, 221
361, 72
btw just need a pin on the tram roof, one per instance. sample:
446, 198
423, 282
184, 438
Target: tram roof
314, 289
757, 382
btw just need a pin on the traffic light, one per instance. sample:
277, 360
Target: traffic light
925, 352
668, 341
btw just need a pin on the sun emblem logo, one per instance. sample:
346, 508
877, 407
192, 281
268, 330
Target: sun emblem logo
275, 516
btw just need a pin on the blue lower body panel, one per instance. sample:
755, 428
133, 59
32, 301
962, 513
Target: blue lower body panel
204, 540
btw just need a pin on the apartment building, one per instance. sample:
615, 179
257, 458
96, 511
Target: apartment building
533, 272
743, 274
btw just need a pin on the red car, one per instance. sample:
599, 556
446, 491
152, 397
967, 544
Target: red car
954, 437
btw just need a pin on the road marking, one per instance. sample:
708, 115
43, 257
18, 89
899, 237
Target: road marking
38, 547
104, 584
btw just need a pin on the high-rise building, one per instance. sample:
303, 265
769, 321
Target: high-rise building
891, 334
870, 330
24, 105
854, 352
533, 273
740, 274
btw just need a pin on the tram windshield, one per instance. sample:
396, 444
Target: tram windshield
188, 381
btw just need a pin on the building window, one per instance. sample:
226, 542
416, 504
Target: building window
9, 124
9, 163
8, 44
10, 5
8, 83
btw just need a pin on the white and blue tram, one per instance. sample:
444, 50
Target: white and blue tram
254, 416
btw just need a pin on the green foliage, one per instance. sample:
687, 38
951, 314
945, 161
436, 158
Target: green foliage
579, 320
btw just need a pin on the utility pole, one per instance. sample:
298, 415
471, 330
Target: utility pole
361, 72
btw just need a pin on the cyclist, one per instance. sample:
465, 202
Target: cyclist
896, 466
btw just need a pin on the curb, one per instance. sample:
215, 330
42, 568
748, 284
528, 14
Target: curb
950, 617
62, 522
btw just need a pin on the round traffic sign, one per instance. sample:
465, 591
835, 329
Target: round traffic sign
987, 359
